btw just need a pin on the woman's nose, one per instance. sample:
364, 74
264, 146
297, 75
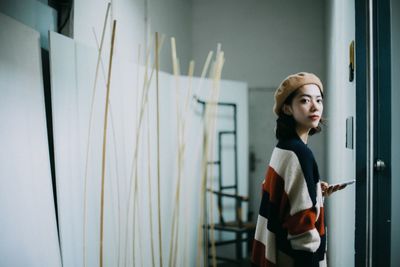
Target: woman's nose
314, 105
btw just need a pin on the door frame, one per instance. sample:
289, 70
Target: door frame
373, 133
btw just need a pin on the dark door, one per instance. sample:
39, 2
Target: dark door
373, 133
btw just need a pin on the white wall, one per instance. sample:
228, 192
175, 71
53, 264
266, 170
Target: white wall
137, 21
340, 104
395, 57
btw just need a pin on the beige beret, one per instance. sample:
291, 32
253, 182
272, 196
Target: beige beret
290, 84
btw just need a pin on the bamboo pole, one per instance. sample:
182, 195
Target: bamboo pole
115, 155
148, 166
146, 86
181, 158
185, 236
134, 160
204, 72
103, 163
149, 189
117, 182
216, 89
208, 140
175, 212
89, 133
136, 208
203, 162
183, 146
158, 153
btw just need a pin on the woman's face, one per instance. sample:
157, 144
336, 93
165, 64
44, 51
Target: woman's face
306, 107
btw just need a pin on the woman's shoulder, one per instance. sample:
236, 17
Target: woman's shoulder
294, 152
296, 146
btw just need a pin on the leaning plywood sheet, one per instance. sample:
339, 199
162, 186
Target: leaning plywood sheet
78, 137
78, 132
71, 104
28, 230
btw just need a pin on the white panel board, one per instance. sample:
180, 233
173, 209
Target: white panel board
70, 105
28, 231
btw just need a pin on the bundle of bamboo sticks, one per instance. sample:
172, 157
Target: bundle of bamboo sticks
212, 67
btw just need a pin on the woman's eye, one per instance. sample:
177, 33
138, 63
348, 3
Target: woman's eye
304, 100
320, 101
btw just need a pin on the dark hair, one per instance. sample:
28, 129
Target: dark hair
286, 124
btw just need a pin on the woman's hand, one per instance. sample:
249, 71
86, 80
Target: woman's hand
327, 189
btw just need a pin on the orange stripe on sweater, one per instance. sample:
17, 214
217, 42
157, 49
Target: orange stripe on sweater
301, 222
275, 186
258, 255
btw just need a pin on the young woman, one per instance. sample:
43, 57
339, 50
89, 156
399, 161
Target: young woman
290, 226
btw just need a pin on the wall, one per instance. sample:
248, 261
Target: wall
34, 14
340, 104
261, 147
173, 18
264, 41
395, 242
137, 21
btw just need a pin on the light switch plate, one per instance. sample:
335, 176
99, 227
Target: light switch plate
349, 132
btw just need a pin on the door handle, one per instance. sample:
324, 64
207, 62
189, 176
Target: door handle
379, 165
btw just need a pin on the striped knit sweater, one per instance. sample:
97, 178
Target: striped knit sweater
290, 226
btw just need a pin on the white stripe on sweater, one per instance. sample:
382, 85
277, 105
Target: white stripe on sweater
320, 200
307, 241
287, 165
266, 237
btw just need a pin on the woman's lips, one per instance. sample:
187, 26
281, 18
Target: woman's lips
314, 118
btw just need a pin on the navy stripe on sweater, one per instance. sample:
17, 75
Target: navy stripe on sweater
307, 163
